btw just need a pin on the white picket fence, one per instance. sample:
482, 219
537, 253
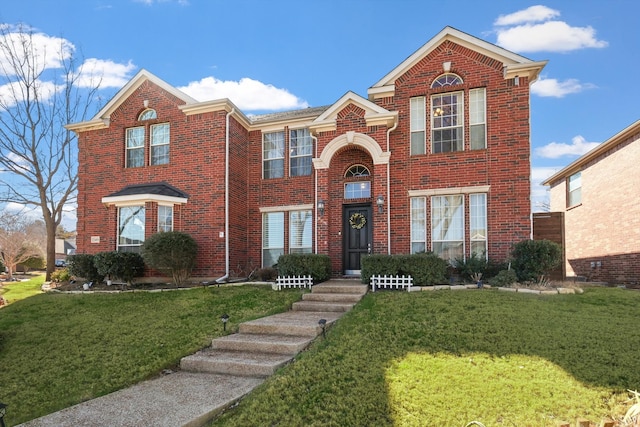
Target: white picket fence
391, 282
294, 282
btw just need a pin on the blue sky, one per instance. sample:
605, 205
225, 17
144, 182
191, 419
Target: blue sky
282, 55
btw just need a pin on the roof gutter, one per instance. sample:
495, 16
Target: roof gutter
226, 200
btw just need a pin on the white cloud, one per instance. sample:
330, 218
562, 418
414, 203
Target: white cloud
551, 36
531, 14
247, 94
48, 51
540, 193
557, 89
104, 72
554, 150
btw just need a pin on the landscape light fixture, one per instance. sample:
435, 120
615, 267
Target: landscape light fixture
225, 319
323, 325
380, 203
3, 411
321, 207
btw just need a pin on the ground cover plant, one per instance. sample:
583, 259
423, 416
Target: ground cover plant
447, 358
59, 349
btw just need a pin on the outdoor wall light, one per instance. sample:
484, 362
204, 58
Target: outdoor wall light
323, 325
225, 319
380, 203
321, 207
3, 411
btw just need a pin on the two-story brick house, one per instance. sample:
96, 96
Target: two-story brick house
436, 158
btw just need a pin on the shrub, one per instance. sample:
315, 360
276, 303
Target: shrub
532, 259
315, 265
171, 252
469, 267
267, 274
61, 275
105, 263
504, 278
81, 265
425, 268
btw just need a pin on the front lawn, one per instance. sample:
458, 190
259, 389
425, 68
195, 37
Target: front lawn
59, 349
16, 291
447, 358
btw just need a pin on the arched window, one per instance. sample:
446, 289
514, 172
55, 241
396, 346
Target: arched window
148, 114
448, 79
357, 170
359, 189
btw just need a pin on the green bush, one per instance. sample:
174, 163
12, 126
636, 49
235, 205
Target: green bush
504, 278
425, 268
315, 265
468, 267
105, 263
532, 259
61, 275
81, 265
173, 253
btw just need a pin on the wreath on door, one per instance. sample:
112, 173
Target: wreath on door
357, 220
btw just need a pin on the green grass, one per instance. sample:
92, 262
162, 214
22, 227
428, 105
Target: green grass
16, 291
58, 349
447, 358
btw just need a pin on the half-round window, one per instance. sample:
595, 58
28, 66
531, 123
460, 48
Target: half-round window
148, 114
357, 170
448, 79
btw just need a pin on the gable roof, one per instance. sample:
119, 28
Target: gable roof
514, 64
578, 164
374, 114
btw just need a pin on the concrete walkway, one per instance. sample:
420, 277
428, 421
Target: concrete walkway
215, 378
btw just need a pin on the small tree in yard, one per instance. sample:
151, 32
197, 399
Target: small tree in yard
173, 253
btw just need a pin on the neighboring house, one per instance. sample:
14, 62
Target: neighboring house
598, 194
436, 158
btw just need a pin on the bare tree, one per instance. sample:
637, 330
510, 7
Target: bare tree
41, 90
18, 240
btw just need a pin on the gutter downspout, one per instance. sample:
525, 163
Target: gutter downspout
389, 189
226, 200
315, 192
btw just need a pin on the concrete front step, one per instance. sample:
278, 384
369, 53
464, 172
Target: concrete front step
297, 323
339, 307
278, 344
335, 287
325, 297
247, 364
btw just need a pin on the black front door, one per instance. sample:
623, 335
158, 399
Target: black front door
357, 234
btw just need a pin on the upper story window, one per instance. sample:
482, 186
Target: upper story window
135, 147
159, 144
273, 155
300, 152
448, 79
574, 189
136, 142
417, 109
447, 122
357, 170
477, 119
148, 114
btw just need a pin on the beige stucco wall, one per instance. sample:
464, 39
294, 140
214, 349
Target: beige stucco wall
606, 225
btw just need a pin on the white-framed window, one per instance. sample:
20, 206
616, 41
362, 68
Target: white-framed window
418, 225
477, 119
159, 144
272, 237
165, 218
135, 147
448, 79
447, 226
300, 231
418, 123
574, 189
131, 227
148, 114
273, 155
478, 224
357, 190
447, 122
300, 152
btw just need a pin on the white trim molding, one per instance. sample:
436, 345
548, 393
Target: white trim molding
450, 190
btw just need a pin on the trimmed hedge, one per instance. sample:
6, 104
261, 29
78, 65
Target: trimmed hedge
81, 265
315, 265
535, 258
425, 268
